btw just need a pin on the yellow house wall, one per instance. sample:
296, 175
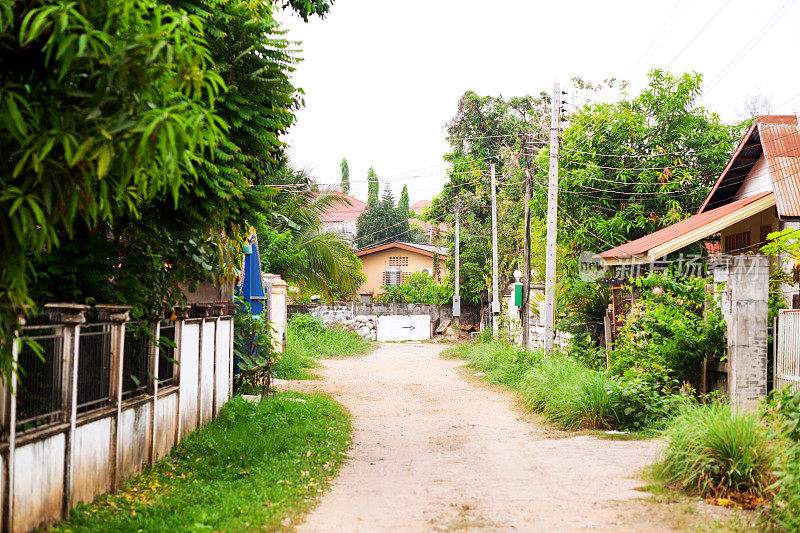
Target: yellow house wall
753, 225
374, 265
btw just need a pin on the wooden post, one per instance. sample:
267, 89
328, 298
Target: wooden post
176, 373
526, 254
552, 217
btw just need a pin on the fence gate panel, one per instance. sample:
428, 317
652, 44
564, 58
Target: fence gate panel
787, 357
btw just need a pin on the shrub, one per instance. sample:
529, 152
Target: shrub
418, 288
713, 450
666, 336
783, 411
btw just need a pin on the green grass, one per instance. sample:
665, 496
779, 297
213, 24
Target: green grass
715, 450
567, 392
253, 467
308, 340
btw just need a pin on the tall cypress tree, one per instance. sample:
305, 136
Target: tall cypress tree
402, 205
372, 187
345, 176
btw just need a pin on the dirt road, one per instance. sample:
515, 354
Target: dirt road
434, 451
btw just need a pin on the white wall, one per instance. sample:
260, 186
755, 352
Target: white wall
404, 328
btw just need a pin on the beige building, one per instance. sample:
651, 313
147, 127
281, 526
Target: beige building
390, 264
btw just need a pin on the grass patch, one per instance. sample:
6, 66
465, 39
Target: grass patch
567, 392
253, 467
308, 340
713, 450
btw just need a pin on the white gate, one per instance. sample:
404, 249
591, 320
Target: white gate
787, 356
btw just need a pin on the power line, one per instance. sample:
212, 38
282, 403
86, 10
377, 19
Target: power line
696, 35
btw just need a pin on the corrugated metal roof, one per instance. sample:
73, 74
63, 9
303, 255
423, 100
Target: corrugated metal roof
643, 245
781, 144
747, 153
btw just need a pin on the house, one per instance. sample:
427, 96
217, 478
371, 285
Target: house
757, 193
342, 219
390, 264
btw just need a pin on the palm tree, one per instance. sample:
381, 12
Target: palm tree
331, 264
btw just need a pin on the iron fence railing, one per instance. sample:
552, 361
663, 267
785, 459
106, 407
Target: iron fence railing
94, 367
136, 359
39, 386
166, 355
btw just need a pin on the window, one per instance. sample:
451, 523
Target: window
398, 261
391, 277
737, 242
762, 234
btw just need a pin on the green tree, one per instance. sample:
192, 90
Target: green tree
345, 176
382, 223
485, 130
657, 157
104, 107
402, 204
373, 187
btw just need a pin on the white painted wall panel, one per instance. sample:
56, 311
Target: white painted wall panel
190, 348
223, 361
92, 467
165, 424
404, 328
207, 371
758, 180
134, 439
38, 486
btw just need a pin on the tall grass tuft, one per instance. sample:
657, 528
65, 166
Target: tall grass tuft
715, 450
503, 363
569, 394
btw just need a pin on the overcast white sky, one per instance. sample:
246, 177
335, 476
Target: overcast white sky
382, 78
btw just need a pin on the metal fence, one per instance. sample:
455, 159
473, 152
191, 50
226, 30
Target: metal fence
94, 366
40, 382
166, 354
44, 377
787, 356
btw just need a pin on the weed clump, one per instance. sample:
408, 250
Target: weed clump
714, 450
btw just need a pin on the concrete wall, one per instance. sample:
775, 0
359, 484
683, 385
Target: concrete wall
341, 311
375, 264
114, 442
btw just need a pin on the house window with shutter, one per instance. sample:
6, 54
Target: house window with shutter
737, 242
763, 233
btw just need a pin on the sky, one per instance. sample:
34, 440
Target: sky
381, 79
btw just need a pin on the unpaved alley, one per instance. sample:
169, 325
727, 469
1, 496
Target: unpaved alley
435, 452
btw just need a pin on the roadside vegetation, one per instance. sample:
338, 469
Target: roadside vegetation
649, 385
309, 340
256, 467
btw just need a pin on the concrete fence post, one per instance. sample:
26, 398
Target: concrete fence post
9, 414
118, 316
71, 317
748, 293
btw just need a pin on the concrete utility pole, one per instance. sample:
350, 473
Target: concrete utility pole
457, 288
526, 255
552, 213
495, 267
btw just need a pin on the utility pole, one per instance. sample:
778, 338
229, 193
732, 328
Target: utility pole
526, 254
552, 214
457, 289
495, 267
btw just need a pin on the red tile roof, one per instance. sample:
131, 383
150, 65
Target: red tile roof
644, 244
344, 213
